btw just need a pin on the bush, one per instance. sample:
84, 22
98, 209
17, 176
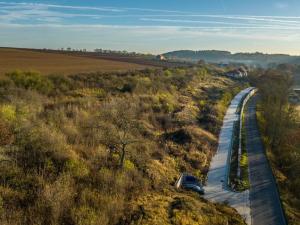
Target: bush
85, 215
61, 83
197, 159
57, 198
5, 83
164, 102
129, 87
128, 165
31, 81
64, 138
98, 207
77, 168
6, 133
181, 137
90, 92
8, 113
40, 144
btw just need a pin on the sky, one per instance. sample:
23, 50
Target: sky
153, 26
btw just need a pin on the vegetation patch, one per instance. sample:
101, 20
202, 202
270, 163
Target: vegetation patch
234, 181
181, 208
244, 164
280, 132
107, 148
239, 183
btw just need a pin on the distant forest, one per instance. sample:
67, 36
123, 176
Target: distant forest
214, 56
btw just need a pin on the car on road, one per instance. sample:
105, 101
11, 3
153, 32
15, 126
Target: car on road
191, 183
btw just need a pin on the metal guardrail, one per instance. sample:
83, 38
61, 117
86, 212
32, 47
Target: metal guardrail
246, 99
251, 92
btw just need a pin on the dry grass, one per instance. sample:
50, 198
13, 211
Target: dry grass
182, 208
52, 63
298, 110
62, 134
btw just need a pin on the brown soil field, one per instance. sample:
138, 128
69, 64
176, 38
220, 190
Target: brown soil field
54, 63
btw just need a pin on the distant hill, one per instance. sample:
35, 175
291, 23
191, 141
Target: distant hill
214, 56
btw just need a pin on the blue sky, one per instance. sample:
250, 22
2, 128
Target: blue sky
154, 26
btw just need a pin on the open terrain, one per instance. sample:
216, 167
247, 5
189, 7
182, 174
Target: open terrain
54, 63
107, 148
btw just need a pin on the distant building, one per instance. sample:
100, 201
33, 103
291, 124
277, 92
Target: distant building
161, 57
237, 73
223, 65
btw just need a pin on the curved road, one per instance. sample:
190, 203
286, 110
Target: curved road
265, 203
216, 188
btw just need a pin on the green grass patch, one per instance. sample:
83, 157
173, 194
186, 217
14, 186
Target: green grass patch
239, 183
233, 180
244, 158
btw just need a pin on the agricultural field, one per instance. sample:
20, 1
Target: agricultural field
54, 63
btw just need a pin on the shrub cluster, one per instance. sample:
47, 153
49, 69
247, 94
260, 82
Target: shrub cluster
81, 149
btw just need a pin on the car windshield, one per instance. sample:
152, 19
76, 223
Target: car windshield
190, 179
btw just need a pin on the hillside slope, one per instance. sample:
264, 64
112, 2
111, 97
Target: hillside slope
215, 56
107, 148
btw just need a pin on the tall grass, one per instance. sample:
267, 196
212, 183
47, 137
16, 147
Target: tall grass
86, 148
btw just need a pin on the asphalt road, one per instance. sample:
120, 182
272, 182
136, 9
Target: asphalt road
216, 189
264, 199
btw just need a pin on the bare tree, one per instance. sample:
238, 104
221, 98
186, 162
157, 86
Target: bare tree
274, 88
118, 126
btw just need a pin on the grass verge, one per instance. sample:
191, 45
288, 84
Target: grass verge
239, 183
244, 164
233, 180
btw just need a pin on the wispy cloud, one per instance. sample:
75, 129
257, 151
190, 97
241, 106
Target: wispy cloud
242, 17
11, 11
174, 32
105, 9
237, 17
281, 5
149, 27
134, 26
273, 25
27, 4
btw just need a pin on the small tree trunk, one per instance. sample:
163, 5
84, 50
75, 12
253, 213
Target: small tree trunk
122, 156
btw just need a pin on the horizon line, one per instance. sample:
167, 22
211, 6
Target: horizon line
177, 50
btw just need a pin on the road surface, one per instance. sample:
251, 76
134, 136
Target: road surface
216, 188
265, 203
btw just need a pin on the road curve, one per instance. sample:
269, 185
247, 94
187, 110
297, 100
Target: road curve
216, 189
265, 203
